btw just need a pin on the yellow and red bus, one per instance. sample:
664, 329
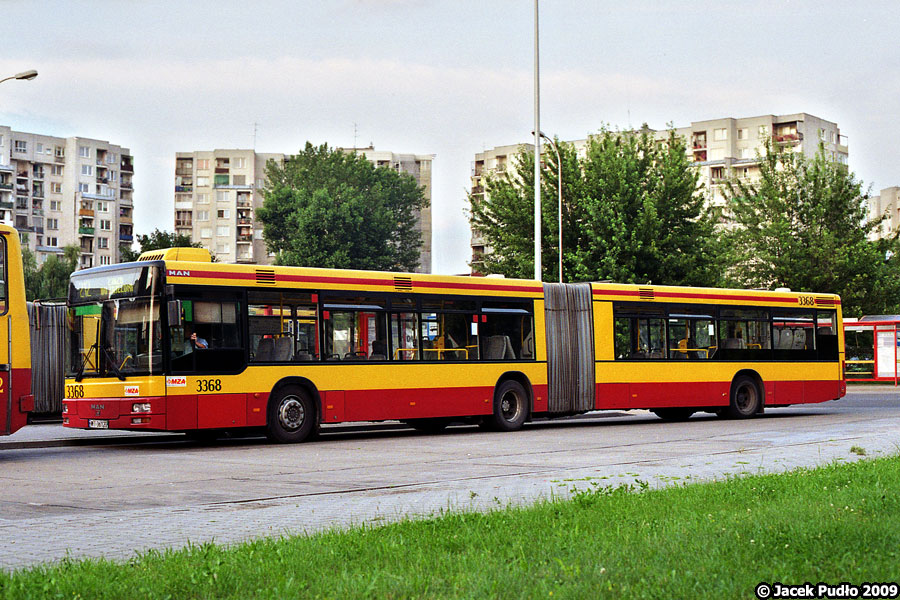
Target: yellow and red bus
175, 342
16, 400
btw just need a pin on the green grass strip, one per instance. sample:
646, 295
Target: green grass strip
713, 540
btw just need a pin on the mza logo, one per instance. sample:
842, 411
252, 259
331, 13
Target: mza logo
177, 273
132, 390
176, 381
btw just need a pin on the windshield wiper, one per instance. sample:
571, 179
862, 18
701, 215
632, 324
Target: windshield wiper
80, 374
110, 361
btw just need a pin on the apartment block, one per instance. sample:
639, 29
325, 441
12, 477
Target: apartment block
886, 203
218, 192
419, 167
59, 192
718, 148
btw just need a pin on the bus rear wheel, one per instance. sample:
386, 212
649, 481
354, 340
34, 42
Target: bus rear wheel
673, 414
510, 407
745, 398
290, 416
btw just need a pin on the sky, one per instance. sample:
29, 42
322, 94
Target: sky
443, 77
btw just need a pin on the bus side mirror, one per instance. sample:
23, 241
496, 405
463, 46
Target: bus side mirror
174, 307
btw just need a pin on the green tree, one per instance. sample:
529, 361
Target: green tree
51, 279
327, 208
158, 240
633, 212
803, 224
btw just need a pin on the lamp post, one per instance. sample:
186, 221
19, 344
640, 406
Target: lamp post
559, 189
537, 151
26, 75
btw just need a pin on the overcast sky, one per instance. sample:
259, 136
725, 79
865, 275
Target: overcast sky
443, 77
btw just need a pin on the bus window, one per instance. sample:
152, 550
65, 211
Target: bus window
744, 334
3, 277
282, 326
448, 336
826, 335
354, 328
690, 338
507, 331
404, 338
210, 338
794, 334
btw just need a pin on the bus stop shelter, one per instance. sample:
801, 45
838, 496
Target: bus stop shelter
871, 348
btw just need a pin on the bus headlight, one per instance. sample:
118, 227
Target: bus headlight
65, 408
139, 407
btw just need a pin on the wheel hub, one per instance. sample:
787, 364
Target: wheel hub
291, 413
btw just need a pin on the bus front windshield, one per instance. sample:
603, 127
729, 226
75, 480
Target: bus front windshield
114, 324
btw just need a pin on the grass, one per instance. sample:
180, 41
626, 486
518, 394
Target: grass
713, 540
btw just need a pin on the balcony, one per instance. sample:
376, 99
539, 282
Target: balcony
245, 238
242, 203
37, 212
183, 223
37, 193
6, 186
85, 212
125, 220
125, 237
102, 179
6, 204
22, 189
38, 174
788, 138
59, 159
126, 164
178, 188
222, 170
85, 231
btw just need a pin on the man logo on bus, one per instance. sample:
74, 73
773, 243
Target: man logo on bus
175, 273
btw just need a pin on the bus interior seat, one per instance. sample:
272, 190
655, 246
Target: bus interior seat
377, 356
498, 347
303, 357
265, 350
824, 331
528, 345
784, 339
799, 339
283, 349
732, 343
353, 356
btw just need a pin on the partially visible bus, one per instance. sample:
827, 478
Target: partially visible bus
16, 400
175, 342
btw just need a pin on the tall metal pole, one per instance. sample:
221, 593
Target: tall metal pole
537, 151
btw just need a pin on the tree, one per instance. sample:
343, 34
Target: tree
633, 212
803, 224
158, 240
327, 208
51, 279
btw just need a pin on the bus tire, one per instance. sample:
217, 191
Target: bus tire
290, 416
673, 414
745, 398
510, 407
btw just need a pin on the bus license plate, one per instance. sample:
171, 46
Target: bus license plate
98, 424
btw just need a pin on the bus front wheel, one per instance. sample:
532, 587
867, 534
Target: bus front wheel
510, 407
745, 398
290, 415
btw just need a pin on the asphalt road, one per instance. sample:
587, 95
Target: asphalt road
67, 492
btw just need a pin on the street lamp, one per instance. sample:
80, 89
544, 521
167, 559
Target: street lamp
559, 189
27, 75
537, 151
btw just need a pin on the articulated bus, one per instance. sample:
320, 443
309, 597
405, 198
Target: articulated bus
178, 343
16, 400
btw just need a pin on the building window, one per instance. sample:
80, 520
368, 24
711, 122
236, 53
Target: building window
105, 224
743, 134
102, 242
203, 163
53, 224
84, 151
56, 187
202, 181
113, 175
206, 232
203, 215
222, 230
202, 198
56, 170
221, 196
84, 188
102, 206
223, 213
20, 146
55, 205
39, 147
104, 260
59, 151
239, 179
112, 158
720, 135
239, 162
87, 169
52, 241
223, 248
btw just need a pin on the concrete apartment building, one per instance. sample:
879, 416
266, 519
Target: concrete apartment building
217, 193
887, 202
719, 148
67, 191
